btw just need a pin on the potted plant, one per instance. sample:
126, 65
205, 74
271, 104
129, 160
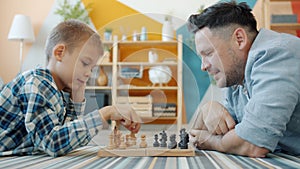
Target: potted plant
68, 11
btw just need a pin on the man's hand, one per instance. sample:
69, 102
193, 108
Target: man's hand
214, 118
199, 138
228, 143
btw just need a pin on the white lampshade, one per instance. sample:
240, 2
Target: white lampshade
21, 29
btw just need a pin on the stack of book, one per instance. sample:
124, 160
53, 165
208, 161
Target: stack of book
293, 18
164, 109
142, 105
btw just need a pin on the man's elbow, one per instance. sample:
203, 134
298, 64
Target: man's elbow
257, 152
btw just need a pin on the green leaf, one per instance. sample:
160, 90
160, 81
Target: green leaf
68, 11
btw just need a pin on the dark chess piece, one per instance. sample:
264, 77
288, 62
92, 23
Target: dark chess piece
155, 143
164, 138
184, 139
173, 143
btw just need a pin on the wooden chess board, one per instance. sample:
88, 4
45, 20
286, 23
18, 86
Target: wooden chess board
136, 151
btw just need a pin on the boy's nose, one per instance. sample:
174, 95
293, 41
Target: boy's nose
88, 73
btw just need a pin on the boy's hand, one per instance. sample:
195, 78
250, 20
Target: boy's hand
124, 115
77, 94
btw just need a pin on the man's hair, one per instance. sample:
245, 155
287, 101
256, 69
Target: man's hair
222, 15
72, 33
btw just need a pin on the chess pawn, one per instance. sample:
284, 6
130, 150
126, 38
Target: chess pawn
118, 137
111, 142
155, 143
143, 143
172, 144
122, 145
133, 138
164, 138
128, 140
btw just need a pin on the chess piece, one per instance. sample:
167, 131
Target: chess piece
111, 142
117, 138
173, 143
184, 139
143, 143
122, 144
155, 143
133, 138
164, 138
128, 140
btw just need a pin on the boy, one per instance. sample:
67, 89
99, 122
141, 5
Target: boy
40, 108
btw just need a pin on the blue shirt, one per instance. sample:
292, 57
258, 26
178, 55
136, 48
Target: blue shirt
267, 106
36, 117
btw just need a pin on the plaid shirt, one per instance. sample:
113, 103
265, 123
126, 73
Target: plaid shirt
36, 117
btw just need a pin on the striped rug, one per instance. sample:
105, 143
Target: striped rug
86, 157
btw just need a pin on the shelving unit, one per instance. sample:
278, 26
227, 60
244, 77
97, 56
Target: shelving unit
281, 27
129, 54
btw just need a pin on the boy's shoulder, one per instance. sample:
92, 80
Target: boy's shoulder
42, 73
39, 74
32, 77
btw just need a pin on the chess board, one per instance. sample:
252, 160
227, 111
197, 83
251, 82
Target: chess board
136, 151
130, 145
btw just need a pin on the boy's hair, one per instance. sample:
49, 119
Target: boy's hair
222, 15
72, 33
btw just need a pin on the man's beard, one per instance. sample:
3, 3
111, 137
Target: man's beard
235, 74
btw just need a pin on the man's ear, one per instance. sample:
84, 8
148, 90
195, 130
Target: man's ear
240, 37
59, 51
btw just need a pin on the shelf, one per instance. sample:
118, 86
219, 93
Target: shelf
135, 54
148, 88
98, 87
105, 64
107, 42
285, 26
279, 27
148, 43
147, 64
159, 120
284, 0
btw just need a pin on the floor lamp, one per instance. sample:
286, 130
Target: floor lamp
21, 30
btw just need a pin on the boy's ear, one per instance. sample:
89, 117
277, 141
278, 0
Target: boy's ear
59, 51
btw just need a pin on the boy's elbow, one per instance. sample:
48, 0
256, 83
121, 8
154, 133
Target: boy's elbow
55, 153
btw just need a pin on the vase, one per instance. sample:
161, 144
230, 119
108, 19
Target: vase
152, 56
167, 31
107, 36
102, 78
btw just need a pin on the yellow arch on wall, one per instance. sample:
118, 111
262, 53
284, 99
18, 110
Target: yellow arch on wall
115, 15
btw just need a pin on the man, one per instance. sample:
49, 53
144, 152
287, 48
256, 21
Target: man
261, 69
